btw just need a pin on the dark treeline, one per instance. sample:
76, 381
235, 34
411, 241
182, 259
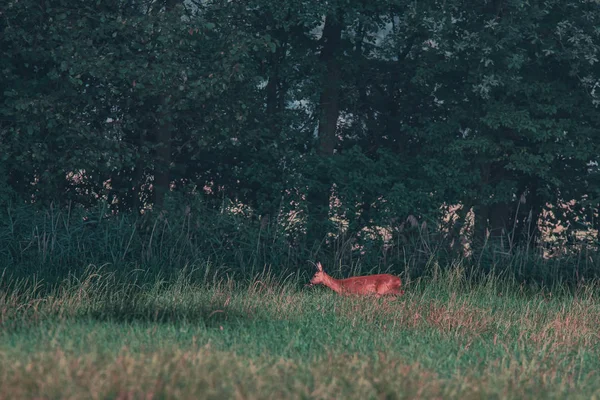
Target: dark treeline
345, 130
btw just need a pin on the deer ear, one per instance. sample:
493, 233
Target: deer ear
319, 267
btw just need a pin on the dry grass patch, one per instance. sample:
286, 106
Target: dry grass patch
204, 373
577, 325
450, 318
459, 319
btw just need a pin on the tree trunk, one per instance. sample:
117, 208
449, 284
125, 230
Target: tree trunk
329, 106
275, 103
329, 101
481, 211
527, 232
163, 139
500, 224
162, 164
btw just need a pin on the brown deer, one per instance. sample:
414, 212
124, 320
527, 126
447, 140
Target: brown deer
378, 285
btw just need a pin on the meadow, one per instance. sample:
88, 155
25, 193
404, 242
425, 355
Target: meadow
102, 336
171, 171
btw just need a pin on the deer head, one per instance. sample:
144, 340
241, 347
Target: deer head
319, 276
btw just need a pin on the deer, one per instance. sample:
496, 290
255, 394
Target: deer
378, 285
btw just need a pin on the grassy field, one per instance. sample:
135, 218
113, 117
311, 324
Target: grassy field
102, 337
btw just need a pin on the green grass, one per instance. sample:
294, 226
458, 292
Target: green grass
103, 337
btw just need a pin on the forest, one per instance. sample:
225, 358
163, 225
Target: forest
182, 165
346, 130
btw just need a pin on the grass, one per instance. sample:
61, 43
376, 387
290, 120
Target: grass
103, 337
51, 242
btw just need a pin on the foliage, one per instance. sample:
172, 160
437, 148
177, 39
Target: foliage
325, 121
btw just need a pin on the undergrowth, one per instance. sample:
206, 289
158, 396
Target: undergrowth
53, 244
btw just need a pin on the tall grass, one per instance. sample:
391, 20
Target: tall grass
55, 243
106, 335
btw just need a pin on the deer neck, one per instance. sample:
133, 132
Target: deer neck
332, 283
